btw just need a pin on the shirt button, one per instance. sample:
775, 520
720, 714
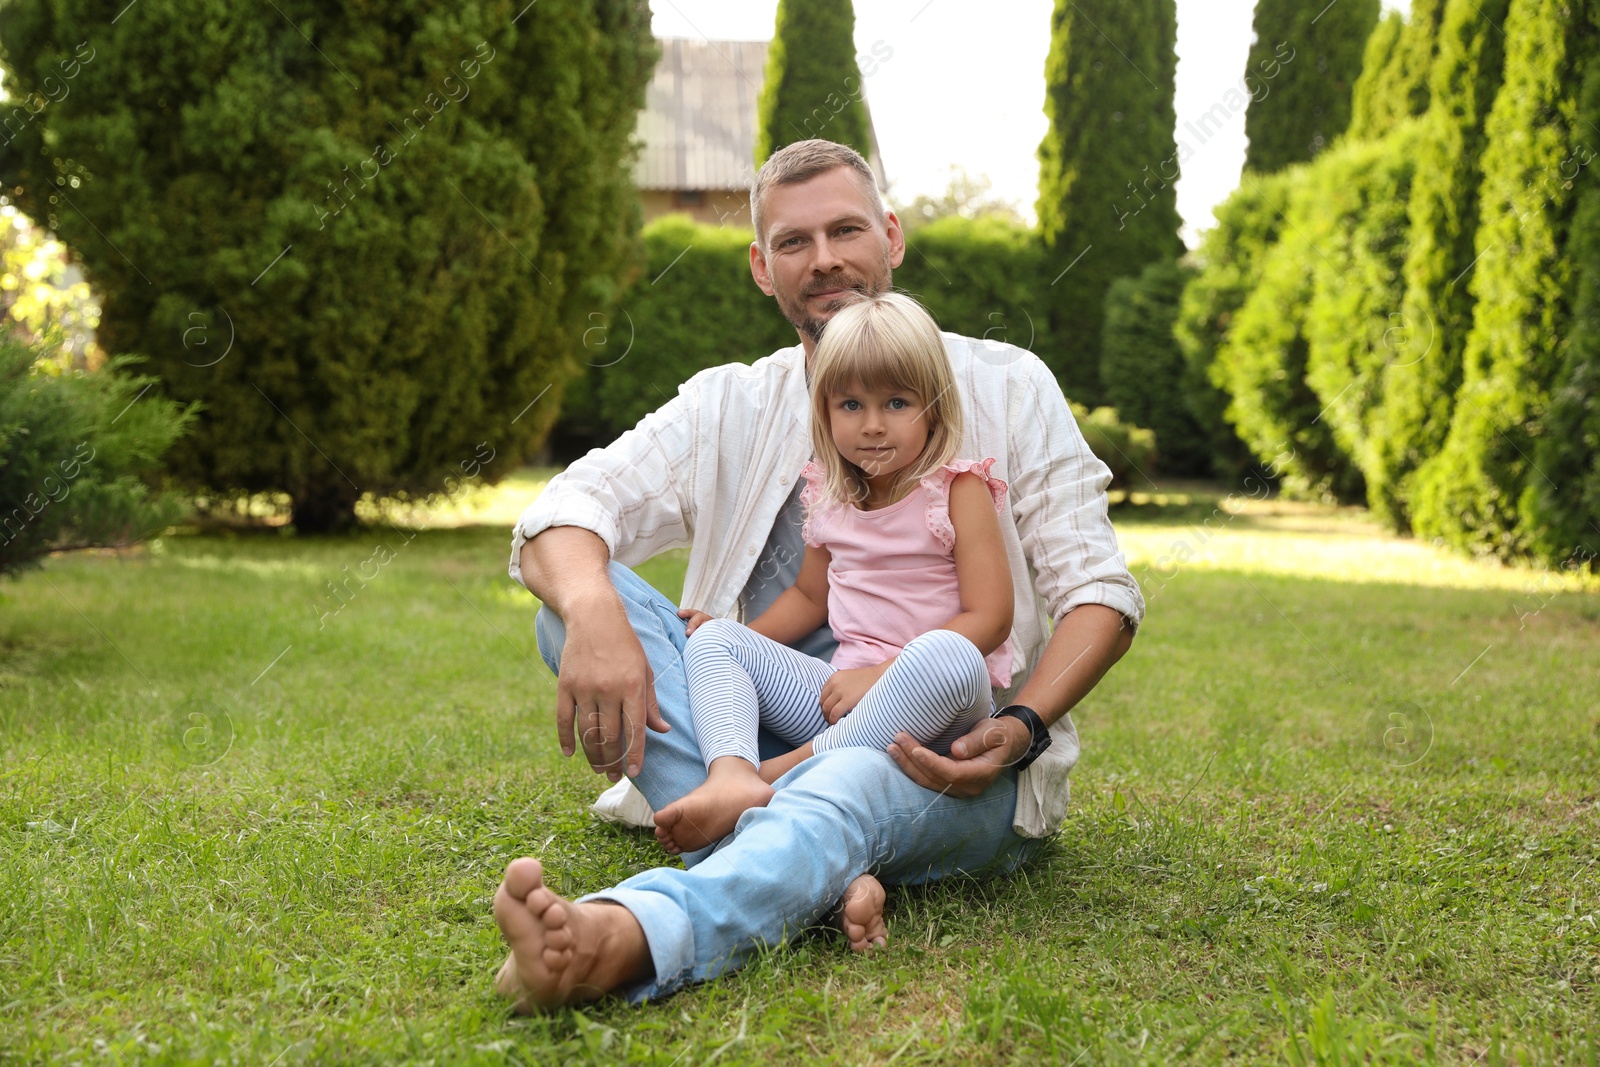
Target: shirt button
750, 551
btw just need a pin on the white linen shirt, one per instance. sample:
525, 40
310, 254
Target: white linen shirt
712, 468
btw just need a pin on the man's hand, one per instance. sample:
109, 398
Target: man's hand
975, 760
694, 619
844, 690
606, 691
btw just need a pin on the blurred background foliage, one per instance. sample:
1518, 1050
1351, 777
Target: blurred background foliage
1396, 307
401, 213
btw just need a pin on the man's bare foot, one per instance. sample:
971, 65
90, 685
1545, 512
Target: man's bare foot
860, 914
561, 952
708, 813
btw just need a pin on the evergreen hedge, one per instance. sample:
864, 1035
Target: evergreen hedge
1107, 168
1395, 73
696, 306
1231, 259
1419, 392
1561, 505
1382, 66
982, 277
399, 216
1262, 364
1310, 101
1144, 369
1356, 230
1481, 491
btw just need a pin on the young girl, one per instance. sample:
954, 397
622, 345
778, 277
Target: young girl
904, 560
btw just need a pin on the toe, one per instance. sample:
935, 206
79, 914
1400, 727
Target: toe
523, 876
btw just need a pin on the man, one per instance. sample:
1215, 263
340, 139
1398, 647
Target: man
716, 469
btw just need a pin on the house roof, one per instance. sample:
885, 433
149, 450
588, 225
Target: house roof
698, 126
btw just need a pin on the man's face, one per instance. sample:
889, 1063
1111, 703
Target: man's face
824, 240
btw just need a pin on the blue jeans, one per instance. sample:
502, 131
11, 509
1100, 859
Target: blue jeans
836, 816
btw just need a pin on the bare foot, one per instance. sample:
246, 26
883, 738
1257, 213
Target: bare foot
860, 914
561, 952
708, 813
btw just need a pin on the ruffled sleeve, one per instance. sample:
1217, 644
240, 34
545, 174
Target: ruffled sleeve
937, 485
812, 496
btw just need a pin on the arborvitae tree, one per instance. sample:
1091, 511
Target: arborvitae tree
1356, 232
367, 238
1143, 366
1381, 69
1561, 502
1107, 167
1263, 364
1309, 102
1230, 256
1395, 73
1419, 393
1477, 493
813, 86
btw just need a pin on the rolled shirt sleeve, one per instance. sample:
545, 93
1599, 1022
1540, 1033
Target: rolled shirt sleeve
634, 494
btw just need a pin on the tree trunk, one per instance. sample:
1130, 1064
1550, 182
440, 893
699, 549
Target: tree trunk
324, 509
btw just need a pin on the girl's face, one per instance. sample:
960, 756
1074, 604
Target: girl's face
881, 431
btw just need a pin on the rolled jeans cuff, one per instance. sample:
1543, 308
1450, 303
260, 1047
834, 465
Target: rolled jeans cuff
667, 932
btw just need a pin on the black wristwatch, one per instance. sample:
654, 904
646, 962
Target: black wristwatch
1036, 727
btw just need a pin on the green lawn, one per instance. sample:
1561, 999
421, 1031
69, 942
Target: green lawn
1341, 803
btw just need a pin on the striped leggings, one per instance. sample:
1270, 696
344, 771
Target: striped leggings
936, 690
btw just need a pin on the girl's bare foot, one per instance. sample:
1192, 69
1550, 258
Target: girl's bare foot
708, 813
860, 914
561, 952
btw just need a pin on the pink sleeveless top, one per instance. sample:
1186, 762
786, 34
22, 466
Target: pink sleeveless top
893, 575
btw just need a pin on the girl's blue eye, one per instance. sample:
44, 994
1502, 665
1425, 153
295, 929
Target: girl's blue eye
851, 405
898, 404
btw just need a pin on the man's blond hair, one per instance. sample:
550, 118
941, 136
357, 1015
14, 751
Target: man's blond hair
803, 161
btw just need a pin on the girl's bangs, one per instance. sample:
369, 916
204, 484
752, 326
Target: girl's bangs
876, 363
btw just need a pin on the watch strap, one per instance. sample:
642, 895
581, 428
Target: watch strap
1039, 732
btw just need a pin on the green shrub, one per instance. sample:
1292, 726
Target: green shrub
1262, 364
75, 448
1419, 392
1478, 492
1372, 98
1130, 451
401, 214
1143, 367
980, 277
1304, 358
1356, 230
1561, 504
1394, 82
1230, 259
695, 306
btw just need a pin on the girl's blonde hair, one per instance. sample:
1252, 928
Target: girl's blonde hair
884, 341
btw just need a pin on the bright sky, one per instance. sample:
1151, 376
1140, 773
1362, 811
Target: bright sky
969, 91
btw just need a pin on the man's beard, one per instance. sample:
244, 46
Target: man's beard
813, 327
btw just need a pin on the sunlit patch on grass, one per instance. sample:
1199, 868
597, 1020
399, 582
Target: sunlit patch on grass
1164, 533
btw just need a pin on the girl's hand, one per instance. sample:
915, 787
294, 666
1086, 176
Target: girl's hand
842, 692
694, 617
